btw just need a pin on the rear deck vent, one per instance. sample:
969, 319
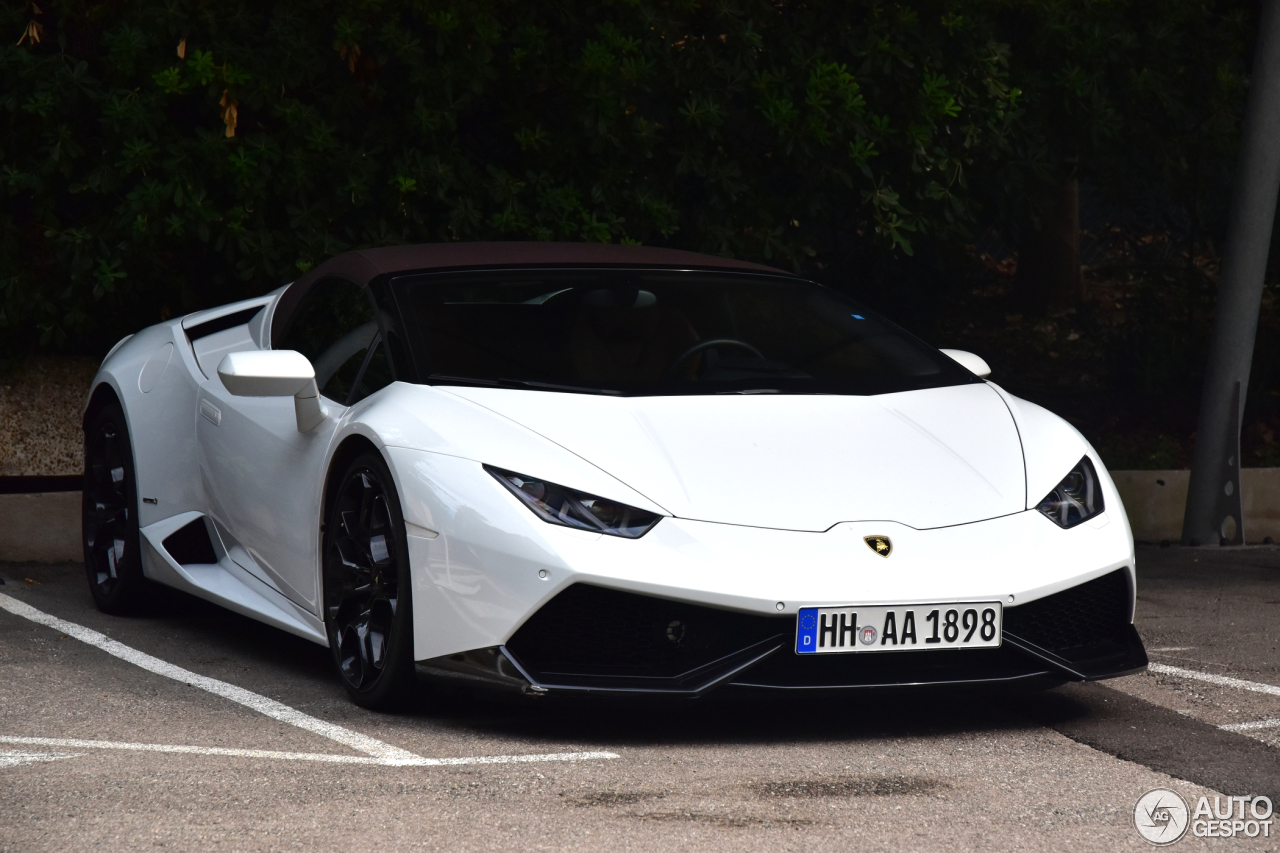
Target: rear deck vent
221, 324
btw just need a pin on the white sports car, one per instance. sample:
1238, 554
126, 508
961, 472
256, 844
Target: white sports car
616, 469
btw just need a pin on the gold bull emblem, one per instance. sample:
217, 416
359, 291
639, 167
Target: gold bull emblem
880, 544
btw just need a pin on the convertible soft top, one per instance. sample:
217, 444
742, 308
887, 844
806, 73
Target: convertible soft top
362, 266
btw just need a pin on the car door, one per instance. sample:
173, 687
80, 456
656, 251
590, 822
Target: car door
264, 478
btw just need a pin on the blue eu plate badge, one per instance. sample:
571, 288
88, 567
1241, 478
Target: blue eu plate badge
807, 631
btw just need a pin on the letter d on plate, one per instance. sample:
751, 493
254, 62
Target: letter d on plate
807, 631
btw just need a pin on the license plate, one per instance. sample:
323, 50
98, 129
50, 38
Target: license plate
912, 627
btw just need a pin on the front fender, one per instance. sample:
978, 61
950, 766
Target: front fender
1050, 448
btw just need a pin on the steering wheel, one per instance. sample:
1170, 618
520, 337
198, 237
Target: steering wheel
706, 345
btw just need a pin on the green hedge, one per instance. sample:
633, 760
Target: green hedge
138, 183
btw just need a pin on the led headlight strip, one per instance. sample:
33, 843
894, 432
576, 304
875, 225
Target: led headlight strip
556, 504
1077, 498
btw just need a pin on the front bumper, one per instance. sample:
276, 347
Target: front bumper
593, 639
483, 566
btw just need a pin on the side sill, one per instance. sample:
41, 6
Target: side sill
222, 582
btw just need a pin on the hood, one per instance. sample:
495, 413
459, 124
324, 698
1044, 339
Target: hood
929, 458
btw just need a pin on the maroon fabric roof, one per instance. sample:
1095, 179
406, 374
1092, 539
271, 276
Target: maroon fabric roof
363, 265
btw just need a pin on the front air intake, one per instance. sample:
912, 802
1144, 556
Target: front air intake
1085, 615
589, 635
592, 638
1085, 629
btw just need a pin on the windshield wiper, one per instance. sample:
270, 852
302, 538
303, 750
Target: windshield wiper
466, 380
577, 389
519, 383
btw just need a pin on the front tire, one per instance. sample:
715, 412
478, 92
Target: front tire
109, 514
368, 610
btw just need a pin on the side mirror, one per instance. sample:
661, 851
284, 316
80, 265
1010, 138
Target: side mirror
275, 373
974, 364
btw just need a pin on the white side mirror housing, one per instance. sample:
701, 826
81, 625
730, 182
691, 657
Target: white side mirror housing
275, 373
974, 364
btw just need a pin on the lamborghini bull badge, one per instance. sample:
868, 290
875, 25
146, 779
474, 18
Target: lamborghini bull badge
880, 544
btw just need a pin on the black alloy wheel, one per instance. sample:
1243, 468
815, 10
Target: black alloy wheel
109, 513
368, 613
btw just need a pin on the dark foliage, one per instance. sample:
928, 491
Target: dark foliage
792, 134
157, 156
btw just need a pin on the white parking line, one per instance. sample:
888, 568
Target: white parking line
17, 759
386, 753
1220, 680
1248, 727
290, 756
1225, 681
190, 750
382, 753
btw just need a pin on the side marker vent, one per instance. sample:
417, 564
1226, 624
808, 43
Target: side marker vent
190, 545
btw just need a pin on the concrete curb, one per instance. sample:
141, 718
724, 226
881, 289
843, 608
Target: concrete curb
45, 527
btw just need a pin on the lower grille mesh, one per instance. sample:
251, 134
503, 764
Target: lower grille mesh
596, 638
589, 630
1093, 613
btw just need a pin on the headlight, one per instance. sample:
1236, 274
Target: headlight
1077, 498
571, 508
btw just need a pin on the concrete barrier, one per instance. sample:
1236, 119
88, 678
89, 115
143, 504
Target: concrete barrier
46, 527
1156, 500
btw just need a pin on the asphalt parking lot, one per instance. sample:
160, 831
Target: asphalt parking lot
189, 727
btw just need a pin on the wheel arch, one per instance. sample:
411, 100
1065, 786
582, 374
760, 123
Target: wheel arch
116, 584
103, 395
348, 449
394, 676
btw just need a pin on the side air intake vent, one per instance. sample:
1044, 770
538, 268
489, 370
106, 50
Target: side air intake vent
190, 545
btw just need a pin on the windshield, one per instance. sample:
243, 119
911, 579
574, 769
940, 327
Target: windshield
656, 332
